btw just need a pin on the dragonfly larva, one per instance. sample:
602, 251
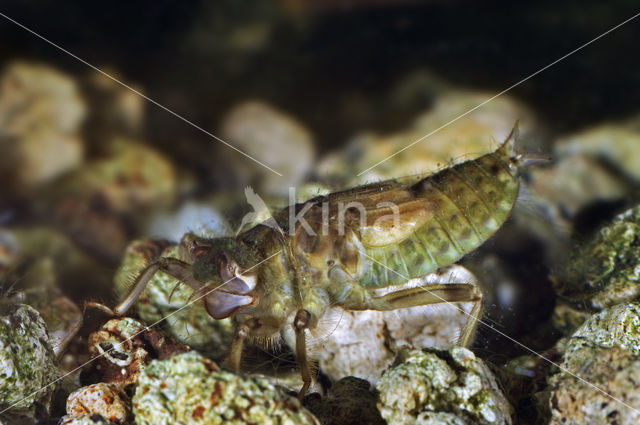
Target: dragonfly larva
353, 249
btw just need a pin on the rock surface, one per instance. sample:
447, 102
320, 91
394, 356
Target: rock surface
108, 401
603, 271
441, 387
190, 389
599, 377
85, 420
122, 348
27, 361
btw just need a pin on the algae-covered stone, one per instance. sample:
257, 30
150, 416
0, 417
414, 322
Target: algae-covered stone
190, 389
106, 400
123, 347
441, 387
27, 361
616, 326
38, 288
85, 420
165, 296
605, 270
597, 386
609, 262
599, 377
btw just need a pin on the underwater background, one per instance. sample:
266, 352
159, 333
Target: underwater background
96, 182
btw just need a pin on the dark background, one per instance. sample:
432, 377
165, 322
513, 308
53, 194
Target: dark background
314, 57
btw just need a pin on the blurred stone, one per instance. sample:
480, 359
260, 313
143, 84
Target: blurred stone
592, 167
197, 218
441, 387
241, 33
617, 143
98, 203
115, 110
475, 134
40, 116
46, 264
559, 191
419, 88
9, 253
273, 138
188, 388
133, 177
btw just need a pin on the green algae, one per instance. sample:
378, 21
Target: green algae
27, 361
441, 387
189, 389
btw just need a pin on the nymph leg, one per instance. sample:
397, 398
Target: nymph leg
171, 266
300, 324
235, 354
434, 294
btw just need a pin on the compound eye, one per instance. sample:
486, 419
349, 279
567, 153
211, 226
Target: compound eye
227, 266
196, 249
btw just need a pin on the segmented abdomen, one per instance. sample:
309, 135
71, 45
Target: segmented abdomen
468, 203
